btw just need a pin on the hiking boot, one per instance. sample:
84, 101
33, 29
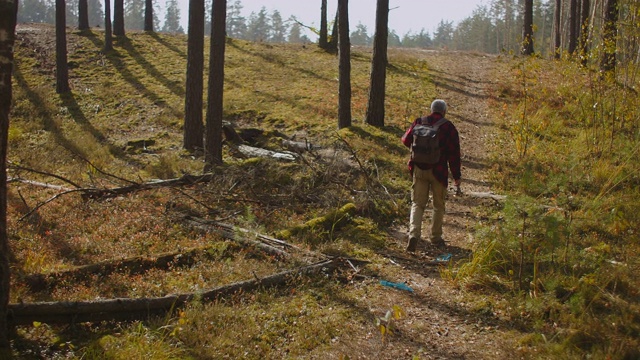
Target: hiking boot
413, 243
438, 242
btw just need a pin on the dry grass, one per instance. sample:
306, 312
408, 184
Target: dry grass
134, 96
581, 272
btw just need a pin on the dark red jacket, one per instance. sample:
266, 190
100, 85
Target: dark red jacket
449, 148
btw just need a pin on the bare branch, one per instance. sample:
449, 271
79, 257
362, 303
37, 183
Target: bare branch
20, 167
48, 201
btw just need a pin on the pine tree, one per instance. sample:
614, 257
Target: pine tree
295, 34
172, 18
134, 14
62, 67
377, 89
236, 23
323, 39
443, 34
83, 15
8, 17
213, 130
527, 29
258, 27
609, 36
344, 54
35, 11
148, 15
118, 17
360, 35
96, 14
278, 28
193, 125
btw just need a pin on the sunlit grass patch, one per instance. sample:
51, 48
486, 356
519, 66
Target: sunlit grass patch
565, 229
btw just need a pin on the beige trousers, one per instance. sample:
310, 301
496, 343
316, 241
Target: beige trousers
423, 183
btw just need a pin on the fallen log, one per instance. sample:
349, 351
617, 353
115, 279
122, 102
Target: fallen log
186, 179
486, 195
298, 146
251, 151
38, 183
266, 243
132, 266
138, 309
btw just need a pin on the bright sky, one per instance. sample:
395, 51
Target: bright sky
407, 15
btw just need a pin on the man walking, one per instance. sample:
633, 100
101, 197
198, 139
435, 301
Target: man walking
431, 176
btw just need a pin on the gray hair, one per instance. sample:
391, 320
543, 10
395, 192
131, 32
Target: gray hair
439, 106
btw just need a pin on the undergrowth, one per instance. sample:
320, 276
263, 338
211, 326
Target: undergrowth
564, 244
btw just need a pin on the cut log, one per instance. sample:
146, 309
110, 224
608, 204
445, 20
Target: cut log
136, 309
251, 151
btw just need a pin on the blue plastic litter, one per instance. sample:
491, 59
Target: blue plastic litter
401, 286
443, 258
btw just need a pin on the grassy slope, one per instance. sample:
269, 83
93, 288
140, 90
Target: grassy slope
136, 93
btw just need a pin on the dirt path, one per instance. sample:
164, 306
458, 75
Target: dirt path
442, 322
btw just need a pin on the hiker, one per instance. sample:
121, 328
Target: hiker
430, 170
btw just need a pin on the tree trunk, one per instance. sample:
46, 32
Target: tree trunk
609, 36
375, 108
584, 38
8, 17
344, 54
83, 15
118, 17
148, 15
332, 46
108, 40
573, 26
556, 24
323, 37
527, 29
62, 68
193, 126
213, 144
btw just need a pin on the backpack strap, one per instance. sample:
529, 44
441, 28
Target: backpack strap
436, 125
439, 123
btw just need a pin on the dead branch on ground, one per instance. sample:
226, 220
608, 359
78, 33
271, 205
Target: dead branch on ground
266, 243
13, 166
134, 309
185, 180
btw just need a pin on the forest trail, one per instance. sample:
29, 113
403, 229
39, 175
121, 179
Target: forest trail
443, 322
